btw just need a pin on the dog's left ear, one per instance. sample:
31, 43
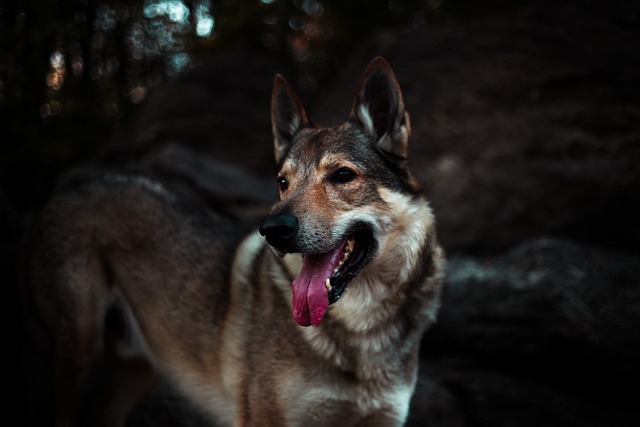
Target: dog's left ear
379, 109
288, 116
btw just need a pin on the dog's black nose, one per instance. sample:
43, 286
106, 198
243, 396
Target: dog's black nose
280, 228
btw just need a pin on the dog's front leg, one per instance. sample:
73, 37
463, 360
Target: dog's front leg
260, 412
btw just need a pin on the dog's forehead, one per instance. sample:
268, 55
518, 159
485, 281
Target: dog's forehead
315, 153
315, 148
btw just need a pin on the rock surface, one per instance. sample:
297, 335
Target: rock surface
541, 335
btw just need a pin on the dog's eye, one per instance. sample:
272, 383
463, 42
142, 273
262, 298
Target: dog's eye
283, 184
343, 175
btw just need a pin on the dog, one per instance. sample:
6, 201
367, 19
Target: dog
313, 319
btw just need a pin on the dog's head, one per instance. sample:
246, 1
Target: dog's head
334, 186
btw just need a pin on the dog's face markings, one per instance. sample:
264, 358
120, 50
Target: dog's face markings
316, 164
329, 182
324, 190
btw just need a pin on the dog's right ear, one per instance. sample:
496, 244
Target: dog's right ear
288, 116
379, 109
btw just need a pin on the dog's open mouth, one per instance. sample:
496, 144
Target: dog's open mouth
324, 277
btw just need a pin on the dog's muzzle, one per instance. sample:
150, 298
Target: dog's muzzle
279, 230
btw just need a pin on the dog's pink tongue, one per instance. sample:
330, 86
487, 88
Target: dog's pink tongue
310, 296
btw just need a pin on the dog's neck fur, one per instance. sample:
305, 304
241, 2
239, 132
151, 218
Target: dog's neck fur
394, 278
387, 307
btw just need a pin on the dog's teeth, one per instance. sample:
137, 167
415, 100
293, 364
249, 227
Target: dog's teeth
350, 245
345, 257
327, 285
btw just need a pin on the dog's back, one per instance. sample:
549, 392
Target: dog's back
115, 263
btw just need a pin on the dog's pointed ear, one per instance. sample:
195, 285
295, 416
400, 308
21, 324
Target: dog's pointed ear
288, 116
379, 109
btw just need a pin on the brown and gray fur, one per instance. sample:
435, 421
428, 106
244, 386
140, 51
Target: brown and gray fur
122, 266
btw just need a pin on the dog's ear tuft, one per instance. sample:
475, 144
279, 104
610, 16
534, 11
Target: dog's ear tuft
378, 108
288, 116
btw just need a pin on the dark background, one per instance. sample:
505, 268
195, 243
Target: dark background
111, 53
526, 135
